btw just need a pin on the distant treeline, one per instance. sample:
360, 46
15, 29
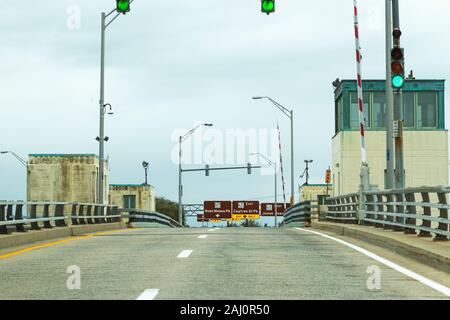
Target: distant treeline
167, 207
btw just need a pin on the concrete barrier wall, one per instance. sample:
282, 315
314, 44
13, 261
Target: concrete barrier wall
17, 239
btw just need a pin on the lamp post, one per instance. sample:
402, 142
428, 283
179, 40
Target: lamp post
274, 166
290, 115
145, 165
23, 162
180, 186
101, 138
306, 171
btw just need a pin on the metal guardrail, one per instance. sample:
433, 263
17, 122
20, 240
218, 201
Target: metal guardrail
399, 210
300, 212
48, 215
136, 215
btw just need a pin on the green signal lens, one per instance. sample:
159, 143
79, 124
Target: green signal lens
268, 6
398, 81
123, 5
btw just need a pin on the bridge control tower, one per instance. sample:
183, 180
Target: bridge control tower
425, 136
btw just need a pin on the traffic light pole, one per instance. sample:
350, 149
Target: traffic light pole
398, 112
389, 176
101, 138
100, 197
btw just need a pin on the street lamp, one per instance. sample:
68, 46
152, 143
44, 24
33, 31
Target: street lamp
145, 165
180, 186
290, 115
121, 8
306, 171
22, 161
274, 166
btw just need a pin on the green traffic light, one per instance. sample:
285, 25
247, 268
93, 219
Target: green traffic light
398, 81
123, 5
268, 6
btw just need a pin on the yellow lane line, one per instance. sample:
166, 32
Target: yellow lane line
54, 243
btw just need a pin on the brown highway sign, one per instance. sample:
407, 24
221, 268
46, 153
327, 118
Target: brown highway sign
245, 207
201, 218
268, 209
217, 210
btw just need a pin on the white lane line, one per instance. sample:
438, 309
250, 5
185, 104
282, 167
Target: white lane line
148, 294
429, 283
211, 230
203, 236
185, 254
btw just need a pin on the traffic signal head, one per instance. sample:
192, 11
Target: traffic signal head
123, 6
268, 6
397, 68
249, 168
207, 170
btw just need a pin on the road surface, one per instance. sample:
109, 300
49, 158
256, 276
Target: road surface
233, 263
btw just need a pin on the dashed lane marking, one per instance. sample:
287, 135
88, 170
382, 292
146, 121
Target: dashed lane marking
185, 254
149, 294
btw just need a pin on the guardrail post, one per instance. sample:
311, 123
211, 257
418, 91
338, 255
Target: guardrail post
47, 224
131, 217
426, 212
9, 212
443, 213
379, 210
108, 213
307, 212
97, 210
3, 229
89, 214
398, 208
59, 212
389, 209
361, 213
82, 214
33, 215
18, 216
338, 208
411, 210
73, 214
370, 208
104, 210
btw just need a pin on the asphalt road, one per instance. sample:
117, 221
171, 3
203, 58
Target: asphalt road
234, 263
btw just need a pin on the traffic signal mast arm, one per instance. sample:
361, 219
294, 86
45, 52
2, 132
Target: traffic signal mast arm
222, 168
116, 9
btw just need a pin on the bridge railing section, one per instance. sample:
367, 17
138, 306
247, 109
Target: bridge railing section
422, 211
37, 215
299, 213
137, 215
26, 216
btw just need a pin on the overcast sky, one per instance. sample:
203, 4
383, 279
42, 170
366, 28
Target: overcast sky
174, 63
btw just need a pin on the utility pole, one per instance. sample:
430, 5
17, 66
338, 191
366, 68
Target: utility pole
389, 175
290, 115
398, 105
180, 170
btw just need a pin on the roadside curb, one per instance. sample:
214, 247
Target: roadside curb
401, 247
18, 239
